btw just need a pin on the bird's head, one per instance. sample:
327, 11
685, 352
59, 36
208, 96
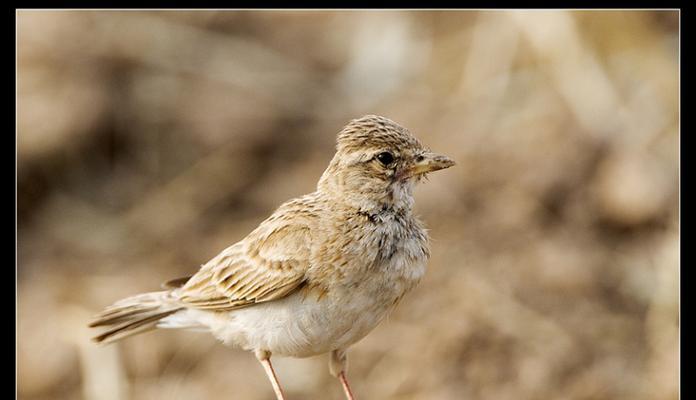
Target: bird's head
376, 165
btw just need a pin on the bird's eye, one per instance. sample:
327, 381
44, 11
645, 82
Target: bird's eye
385, 158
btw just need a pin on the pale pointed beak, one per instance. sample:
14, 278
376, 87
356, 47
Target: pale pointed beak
429, 162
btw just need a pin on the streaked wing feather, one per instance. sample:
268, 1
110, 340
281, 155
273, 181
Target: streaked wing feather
268, 265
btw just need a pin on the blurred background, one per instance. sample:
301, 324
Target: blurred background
148, 141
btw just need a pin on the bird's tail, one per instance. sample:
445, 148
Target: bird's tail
134, 315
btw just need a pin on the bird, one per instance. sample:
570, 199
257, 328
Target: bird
316, 276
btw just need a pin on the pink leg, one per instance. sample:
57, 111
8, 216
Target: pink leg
346, 387
265, 359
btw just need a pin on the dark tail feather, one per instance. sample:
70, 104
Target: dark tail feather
134, 315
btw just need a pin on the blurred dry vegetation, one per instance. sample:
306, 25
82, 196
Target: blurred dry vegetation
149, 141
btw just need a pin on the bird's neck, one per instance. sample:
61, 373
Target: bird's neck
366, 195
396, 199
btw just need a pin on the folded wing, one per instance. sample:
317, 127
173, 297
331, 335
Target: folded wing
269, 264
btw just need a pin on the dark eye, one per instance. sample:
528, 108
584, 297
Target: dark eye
385, 158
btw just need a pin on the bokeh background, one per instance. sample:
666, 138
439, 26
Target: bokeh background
148, 141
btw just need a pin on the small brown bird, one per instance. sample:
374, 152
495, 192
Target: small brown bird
320, 273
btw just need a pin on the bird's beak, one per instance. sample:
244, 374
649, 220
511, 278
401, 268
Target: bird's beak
429, 162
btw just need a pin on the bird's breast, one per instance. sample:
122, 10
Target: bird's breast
400, 246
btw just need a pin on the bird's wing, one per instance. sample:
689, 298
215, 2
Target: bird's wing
269, 264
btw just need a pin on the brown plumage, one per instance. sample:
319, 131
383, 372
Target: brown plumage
317, 275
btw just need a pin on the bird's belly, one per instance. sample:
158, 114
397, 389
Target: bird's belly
302, 325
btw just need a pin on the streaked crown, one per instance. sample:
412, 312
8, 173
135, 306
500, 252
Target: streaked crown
374, 131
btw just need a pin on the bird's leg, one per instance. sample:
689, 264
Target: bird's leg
338, 364
264, 358
346, 388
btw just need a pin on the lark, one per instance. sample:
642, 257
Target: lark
317, 275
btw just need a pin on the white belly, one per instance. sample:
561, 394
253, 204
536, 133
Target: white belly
293, 326
299, 326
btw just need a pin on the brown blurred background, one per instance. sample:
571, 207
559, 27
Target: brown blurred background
150, 140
